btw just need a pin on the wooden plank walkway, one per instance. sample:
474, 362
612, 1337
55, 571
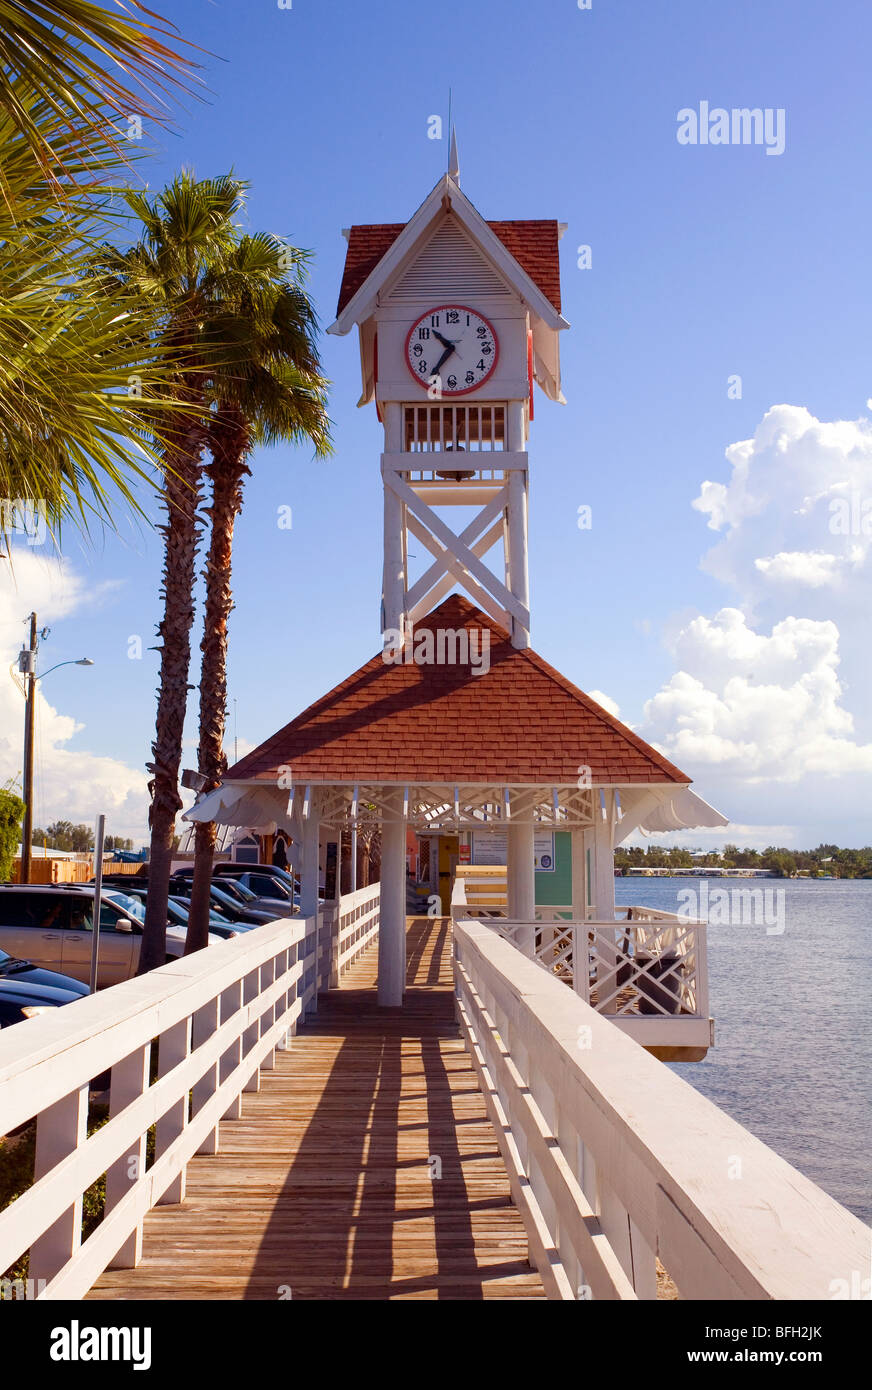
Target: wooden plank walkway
323, 1189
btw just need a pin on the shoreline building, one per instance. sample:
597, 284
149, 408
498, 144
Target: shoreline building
456, 728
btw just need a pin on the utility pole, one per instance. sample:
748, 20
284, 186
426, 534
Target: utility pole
27, 665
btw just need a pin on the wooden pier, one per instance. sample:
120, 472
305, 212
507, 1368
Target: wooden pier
329, 1185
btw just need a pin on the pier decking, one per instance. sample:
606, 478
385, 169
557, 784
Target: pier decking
327, 1186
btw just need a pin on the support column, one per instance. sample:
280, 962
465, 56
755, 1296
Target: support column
521, 875
309, 900
354, 859
518, 577
579, 876
392, 914
603, 873
394, 576
604, 863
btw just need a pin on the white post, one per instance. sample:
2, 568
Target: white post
60, 1129
580, 976
128, 1082
604, 899
518, 576
173, 1048
579, 886
520, 875
604, 862
353, 859
394, 578
392, 925
309, 870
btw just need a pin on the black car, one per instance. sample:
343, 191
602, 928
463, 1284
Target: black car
27, 991
265, 880
277, 904
227, 901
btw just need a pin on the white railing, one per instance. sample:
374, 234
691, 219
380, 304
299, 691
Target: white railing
354, 928
181, 1045
648, 972
614, 1161
454, 429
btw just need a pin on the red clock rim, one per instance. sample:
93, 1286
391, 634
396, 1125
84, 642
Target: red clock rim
466, 308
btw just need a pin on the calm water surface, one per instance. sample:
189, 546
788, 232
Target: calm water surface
791, 1060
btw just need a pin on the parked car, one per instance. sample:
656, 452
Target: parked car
218, 923
52, 926
277, 906
177, 910
27, 991
266, 880
253, 876
229, 903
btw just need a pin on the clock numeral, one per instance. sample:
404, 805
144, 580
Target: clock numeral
422, 367
481, 332
434, 320
467, 320
452, 382
470, 378
452, 316
417, 349
423, 333
481, 365
486, 347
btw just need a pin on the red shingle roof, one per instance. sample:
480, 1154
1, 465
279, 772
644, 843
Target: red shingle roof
520, 722
533, 245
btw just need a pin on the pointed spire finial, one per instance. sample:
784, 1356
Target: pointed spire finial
453, 158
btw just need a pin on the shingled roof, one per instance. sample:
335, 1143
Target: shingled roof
533, 245
521, 721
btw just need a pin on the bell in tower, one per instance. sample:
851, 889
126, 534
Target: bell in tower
457, 318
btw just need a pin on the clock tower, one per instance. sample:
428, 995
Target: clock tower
457, 318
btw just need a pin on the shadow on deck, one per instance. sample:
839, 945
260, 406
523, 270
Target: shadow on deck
328, 1186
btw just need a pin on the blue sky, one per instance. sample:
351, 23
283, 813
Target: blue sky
706, 262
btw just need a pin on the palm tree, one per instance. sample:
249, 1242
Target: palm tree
62, 52
268, 389
78, 368
74, 396
189, 234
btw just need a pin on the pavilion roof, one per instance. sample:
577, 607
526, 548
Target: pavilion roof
520, 722
532, 243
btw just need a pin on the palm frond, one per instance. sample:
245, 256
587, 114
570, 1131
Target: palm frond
66, 53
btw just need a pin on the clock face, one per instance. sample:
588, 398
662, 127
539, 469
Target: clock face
451, 350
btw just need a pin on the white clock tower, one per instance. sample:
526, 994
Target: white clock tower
457, 318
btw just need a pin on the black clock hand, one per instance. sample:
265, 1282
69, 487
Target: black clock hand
443, 341
444, 358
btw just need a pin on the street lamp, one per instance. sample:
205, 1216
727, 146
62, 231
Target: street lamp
27, 666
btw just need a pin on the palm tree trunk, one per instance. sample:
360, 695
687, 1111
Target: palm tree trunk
228, 443
180, 553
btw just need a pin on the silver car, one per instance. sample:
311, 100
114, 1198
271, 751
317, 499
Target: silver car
53, 927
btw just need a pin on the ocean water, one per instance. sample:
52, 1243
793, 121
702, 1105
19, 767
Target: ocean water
792, 1014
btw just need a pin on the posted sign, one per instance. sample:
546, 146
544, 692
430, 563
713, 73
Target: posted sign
491, 847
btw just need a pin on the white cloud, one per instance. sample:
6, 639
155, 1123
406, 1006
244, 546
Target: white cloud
73, 785
756, 706
797, 507
611, 706
745, 836
813, 568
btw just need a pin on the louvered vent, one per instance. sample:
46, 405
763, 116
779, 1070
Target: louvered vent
449, 266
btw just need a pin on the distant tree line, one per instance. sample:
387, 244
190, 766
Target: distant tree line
76, 839
785, 863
